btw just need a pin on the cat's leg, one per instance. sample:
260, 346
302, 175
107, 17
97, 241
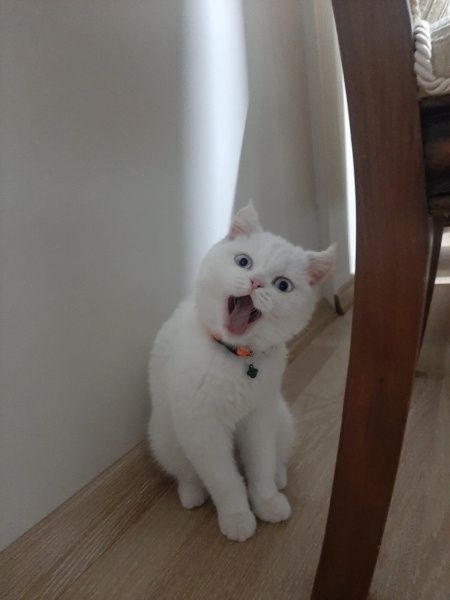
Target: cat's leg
258, 440
170, 455
208, 444
285, 443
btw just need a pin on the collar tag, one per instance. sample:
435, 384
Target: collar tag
252, 371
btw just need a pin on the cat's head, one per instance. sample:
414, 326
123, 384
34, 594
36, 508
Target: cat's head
256, 289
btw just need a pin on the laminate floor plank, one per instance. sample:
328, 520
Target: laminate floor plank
414, 562
49, 557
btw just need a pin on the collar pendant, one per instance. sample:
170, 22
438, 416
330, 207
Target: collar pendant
252, 371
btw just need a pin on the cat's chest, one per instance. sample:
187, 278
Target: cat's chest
213, 379
232, 391
251, 374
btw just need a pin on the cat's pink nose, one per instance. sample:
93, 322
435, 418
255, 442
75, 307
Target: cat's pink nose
256, 282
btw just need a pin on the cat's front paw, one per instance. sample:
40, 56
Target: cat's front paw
273, 510
238, 527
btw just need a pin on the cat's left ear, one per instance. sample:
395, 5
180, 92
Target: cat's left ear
320, 264
245, 222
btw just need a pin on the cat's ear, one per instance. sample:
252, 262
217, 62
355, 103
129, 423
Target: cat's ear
245, 222
320, 264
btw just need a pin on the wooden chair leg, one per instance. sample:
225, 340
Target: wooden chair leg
379, 381
391, 270
438, 229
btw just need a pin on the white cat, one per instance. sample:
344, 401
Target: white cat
253, 293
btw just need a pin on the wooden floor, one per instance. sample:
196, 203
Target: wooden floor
133, 541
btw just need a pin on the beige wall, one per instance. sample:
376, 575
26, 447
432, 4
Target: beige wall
90, 236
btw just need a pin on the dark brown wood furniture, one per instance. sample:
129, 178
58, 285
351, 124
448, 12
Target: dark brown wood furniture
403, 199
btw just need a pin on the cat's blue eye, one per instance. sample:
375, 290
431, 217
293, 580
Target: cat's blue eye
282, 284
243, 261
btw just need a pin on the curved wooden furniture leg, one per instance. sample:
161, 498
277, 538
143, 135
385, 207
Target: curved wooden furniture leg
391, 271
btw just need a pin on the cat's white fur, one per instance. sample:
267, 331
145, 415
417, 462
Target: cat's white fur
204, 406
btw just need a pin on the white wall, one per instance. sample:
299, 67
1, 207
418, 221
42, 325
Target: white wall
215, 102
276, 168
90, 236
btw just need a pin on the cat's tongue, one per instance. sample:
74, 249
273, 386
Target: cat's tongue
239, 317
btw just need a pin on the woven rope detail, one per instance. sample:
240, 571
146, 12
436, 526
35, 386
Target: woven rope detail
423, 66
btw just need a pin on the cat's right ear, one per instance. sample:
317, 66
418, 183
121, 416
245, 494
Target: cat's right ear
245, 222
320, 264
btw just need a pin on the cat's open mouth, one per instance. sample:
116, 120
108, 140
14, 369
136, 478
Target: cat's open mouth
241, 313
